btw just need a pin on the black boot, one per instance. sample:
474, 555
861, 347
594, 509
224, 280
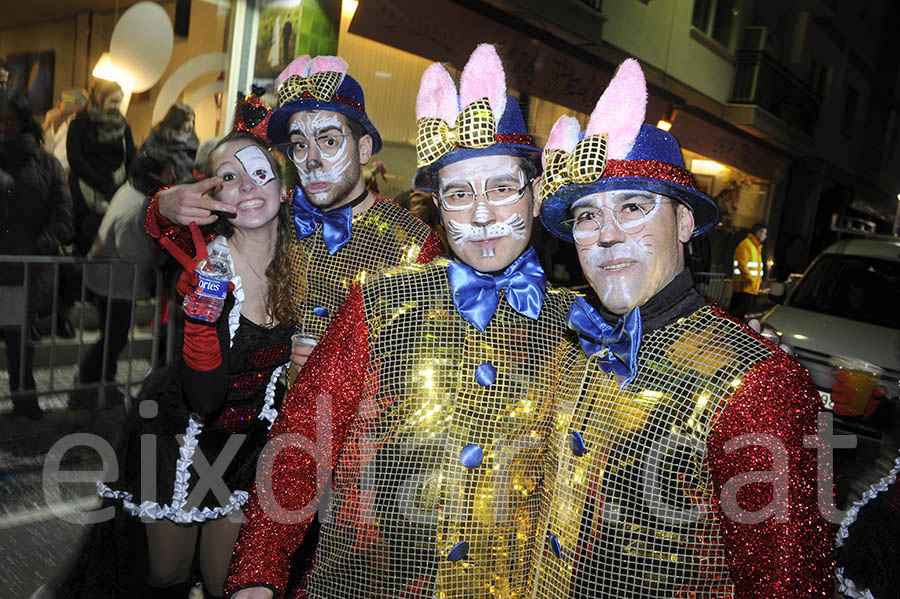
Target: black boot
26, 405
176, 591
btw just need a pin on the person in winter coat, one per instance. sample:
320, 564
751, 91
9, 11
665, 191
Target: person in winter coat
175, 135
113, 288
35, 218
100, 150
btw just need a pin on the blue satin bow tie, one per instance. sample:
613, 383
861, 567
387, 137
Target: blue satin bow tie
622, 341
335, 223
476, 294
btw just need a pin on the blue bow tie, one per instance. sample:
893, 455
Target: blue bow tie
476, 294
622, 341
335, 223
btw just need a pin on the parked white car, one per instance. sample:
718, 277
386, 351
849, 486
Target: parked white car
846, 304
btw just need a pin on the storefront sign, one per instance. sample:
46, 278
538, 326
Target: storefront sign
701, 136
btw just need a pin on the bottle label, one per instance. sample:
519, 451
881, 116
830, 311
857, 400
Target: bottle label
211, 287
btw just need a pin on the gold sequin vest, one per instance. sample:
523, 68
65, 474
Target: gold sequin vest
628, 496
437, 491
384, 236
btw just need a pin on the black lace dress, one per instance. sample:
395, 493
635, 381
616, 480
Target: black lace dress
111, 561
252, 393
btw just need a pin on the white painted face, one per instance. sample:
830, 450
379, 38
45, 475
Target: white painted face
627, 269
486, 237
249, 184
327, 180
255, 163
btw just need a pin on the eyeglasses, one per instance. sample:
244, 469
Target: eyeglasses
328, 144
629, 216
501, 195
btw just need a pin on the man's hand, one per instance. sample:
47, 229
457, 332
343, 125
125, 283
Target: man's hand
185, 203
770, 334
842, 393
254, 593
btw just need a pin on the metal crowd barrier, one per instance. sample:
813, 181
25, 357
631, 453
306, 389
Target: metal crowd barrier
714, 286
54, 354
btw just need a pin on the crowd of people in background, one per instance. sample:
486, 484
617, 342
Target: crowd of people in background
76, 185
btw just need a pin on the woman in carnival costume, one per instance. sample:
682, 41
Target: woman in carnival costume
188, 452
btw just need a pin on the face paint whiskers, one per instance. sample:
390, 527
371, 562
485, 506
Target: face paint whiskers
461, 233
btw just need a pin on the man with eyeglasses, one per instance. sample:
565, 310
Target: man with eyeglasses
343, 231
438, 382
683, 463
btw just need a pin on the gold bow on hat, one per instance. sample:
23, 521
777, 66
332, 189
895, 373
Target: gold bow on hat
320, 86
474, 128
584, 165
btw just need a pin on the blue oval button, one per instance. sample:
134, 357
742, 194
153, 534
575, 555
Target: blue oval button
486, 374
459, 551
555, 547
576, 444
320, 311
471, 456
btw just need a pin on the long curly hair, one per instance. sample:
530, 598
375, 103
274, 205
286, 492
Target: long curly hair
278, 299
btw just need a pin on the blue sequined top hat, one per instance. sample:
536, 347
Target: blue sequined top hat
321, 83
482, 120
617, 151
655, 164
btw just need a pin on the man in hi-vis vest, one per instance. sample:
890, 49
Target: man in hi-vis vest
748, 270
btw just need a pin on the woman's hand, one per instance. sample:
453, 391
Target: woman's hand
183, 204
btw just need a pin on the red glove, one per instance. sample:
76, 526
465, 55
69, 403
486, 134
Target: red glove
187, 282
201, 346
842, 394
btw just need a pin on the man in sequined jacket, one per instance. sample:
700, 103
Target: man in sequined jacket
343, 231
432, 390
678, 466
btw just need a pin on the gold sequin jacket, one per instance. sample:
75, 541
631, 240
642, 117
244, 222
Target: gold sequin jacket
438, 436
665, 489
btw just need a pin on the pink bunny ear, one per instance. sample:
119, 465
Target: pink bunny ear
621, 109
334, 64
563, 135
299, 66
483, 77
437, 95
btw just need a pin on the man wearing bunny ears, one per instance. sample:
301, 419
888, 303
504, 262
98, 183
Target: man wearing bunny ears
682, 465
438, 382
342, 230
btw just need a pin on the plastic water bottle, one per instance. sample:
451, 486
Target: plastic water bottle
214, 274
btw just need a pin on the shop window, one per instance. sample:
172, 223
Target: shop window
716, 19
742, 199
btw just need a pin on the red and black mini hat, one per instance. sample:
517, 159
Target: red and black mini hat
252, 115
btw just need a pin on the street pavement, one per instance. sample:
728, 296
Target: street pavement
35, 540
